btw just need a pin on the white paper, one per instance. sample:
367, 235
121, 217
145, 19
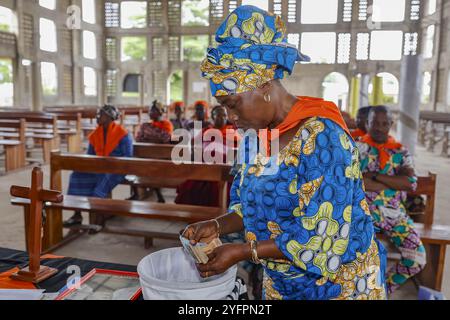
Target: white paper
21, 294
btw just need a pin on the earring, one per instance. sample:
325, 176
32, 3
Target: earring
267, 97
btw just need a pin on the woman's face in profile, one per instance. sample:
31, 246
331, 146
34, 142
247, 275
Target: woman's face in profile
248, 110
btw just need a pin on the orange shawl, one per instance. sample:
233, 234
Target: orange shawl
358, 133
164, 125
308, 107
114, 134
382, 148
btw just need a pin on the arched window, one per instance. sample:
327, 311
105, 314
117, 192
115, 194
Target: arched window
390, 87
335, 88
130, 86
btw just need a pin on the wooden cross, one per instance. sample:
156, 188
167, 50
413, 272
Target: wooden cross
35, 272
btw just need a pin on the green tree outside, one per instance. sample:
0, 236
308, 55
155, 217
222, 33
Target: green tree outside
6, 71
134, 48
194, 47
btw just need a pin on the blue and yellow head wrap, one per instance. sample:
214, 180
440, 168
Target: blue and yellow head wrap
252, 50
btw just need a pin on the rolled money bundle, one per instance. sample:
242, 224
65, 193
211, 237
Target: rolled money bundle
200, 251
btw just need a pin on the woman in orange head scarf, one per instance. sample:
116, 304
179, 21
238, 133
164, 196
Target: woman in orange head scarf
178, 109
158, 130
200, 114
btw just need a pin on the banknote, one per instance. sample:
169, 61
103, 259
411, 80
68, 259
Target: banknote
201, 250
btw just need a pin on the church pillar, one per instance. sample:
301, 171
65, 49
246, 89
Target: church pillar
354, 95
377, 91
409, 100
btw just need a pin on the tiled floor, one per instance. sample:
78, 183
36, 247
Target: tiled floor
129, 250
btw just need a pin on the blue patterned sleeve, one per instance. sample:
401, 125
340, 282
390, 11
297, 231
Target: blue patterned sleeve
235, 199
317, 237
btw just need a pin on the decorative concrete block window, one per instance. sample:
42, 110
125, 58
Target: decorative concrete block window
362, 46
347, 11
89, 81
386, 45
319, 11
49, 78
195, 13
47, 33
410, 46
320, 46
344, 44
133, 48
133, 14
88, 7
89, 45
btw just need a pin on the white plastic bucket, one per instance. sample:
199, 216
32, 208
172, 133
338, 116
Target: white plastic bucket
170, 274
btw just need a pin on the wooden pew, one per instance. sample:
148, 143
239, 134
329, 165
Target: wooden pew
42, 127
14, 148
159, 152
433, 128
140, 167
69, 128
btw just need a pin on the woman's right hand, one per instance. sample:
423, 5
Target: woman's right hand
204, 232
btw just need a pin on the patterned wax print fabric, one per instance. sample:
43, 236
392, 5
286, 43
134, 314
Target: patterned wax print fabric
98, 184
399, 158
390, 217
252, 50
148, 132
309, 198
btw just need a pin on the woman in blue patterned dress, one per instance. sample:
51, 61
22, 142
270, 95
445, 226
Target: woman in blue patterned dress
307, 222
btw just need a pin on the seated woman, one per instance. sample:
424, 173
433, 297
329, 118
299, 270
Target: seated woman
204, 193
157, 130
179, 122
201, 114
388, 172
109, 139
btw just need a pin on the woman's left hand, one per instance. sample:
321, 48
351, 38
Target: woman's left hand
222, 258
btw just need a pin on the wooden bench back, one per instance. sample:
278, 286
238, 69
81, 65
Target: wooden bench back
33, 117
162, 169
153, 150
426, 186
19, 125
